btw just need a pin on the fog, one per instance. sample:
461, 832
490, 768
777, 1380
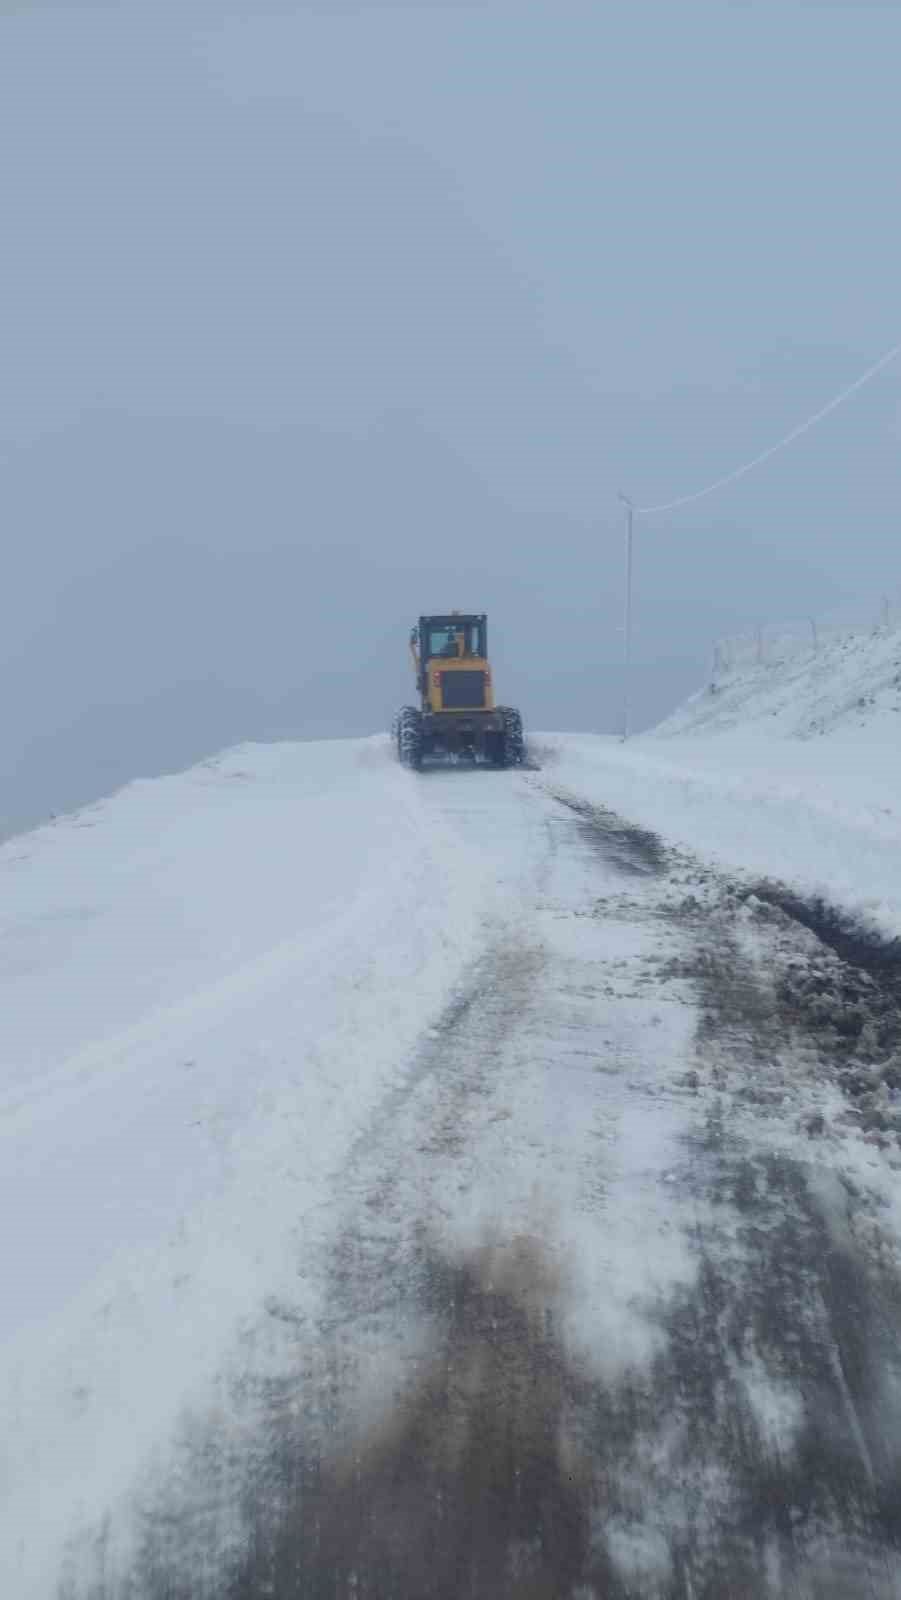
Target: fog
321, 316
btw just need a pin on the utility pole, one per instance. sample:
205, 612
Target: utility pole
627, 616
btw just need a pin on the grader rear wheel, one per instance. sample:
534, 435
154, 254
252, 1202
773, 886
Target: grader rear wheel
409, 738
513, 743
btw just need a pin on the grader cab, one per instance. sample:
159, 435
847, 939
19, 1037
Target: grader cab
456, 715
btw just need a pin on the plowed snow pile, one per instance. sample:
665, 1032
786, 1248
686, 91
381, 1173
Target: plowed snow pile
788, 768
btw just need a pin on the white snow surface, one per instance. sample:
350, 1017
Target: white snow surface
210, 982
205, 981
790, 685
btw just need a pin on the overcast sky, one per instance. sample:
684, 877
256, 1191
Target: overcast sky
315, 316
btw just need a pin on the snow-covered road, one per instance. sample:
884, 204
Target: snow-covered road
438, 1186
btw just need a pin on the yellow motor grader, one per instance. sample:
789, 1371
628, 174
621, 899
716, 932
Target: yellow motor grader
457, 714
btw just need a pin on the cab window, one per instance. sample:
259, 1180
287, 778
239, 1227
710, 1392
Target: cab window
442, 641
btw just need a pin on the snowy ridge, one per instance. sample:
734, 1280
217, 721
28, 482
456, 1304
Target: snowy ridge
849, 679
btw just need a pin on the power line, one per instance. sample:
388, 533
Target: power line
730, 477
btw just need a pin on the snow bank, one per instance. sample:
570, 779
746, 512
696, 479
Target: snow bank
825, 819
788, 768
846, 681
193, 976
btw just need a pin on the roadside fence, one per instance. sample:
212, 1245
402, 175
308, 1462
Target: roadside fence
770, 644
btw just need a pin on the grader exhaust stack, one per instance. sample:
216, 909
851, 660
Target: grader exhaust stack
456, 714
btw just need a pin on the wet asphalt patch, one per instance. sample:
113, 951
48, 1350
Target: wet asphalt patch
624, 845
838, 993
854, 944
474, 1485
772, 1381
468, 1488
785, 1357
502, 1472
825, 996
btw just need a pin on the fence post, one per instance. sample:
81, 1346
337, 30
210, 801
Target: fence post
759, 644
813, 630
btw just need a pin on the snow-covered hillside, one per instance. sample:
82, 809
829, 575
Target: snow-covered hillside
841, 681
